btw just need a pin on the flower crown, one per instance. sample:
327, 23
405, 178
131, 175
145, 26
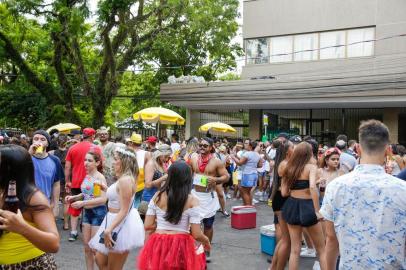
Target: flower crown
125, 152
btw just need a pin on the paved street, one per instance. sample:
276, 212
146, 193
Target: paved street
232, 249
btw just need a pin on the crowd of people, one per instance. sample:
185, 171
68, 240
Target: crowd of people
343, 203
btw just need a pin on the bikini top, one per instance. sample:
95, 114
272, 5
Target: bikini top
300, 184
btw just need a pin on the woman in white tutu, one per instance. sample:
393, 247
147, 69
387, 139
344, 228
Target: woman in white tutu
122, 228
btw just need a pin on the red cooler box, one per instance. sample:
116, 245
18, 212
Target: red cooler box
243, 217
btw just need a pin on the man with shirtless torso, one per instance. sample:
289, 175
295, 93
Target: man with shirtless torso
208, 171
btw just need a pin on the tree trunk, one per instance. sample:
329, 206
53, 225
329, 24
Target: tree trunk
98, 115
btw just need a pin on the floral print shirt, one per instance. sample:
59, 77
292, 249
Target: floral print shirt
368, 209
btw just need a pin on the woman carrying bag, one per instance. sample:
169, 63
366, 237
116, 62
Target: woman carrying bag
122, 229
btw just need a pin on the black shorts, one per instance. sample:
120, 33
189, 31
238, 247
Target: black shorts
299, 212
75, 191
278, 201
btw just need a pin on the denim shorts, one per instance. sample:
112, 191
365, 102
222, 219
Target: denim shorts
94, 216
262, 174
249, 180
208, 222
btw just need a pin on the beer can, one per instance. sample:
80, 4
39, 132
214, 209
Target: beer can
39, 149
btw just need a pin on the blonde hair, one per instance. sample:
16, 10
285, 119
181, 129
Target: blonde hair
129, 164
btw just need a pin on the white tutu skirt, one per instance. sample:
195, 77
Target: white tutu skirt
131, 236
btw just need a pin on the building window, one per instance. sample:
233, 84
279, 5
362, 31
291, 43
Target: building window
306, 47
281, 49
360, 42
332, 45
313, 46
257, 51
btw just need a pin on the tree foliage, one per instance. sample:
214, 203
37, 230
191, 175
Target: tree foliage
74, 59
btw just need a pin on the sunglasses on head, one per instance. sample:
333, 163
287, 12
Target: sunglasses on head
202, 145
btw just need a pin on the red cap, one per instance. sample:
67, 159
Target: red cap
152, 139
87, 132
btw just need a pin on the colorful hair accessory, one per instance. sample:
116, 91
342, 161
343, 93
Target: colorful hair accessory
332, 150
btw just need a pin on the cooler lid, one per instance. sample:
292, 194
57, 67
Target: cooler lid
268, 230
243, 209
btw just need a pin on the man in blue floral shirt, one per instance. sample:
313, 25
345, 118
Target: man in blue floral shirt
365, 210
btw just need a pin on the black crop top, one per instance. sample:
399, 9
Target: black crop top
300, 184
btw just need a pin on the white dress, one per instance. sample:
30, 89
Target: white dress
131, 232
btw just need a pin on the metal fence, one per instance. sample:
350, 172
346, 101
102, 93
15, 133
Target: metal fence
236, 119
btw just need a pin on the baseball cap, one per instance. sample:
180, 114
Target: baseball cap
295, 139
341, 144
283, 135
88, 132
152, 139
136, 138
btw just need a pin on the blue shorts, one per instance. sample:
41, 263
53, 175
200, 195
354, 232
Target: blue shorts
262, 174
208, 222
249, 180
94, 216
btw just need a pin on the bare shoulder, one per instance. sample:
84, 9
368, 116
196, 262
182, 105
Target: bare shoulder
101, 177
125, 180
193, 201
218, 162
38, 198
311, 167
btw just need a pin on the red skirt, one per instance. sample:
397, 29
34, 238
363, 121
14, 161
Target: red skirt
73, 211
170, 252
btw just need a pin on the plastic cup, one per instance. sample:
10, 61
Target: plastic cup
96, 190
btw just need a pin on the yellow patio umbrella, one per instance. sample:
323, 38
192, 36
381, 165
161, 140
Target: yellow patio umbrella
217, 128
64, 127
159, 115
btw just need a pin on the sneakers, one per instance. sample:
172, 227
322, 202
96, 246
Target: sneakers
259, 193
208, 258
254, 201
308, 253
228, 196
316, 266
73, 237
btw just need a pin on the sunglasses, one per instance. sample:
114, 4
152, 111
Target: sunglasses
203, 145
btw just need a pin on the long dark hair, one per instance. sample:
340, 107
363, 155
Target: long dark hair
177, 187
280, 155
16, 164
297, 162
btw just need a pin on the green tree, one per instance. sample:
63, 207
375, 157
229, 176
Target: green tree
75, 57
